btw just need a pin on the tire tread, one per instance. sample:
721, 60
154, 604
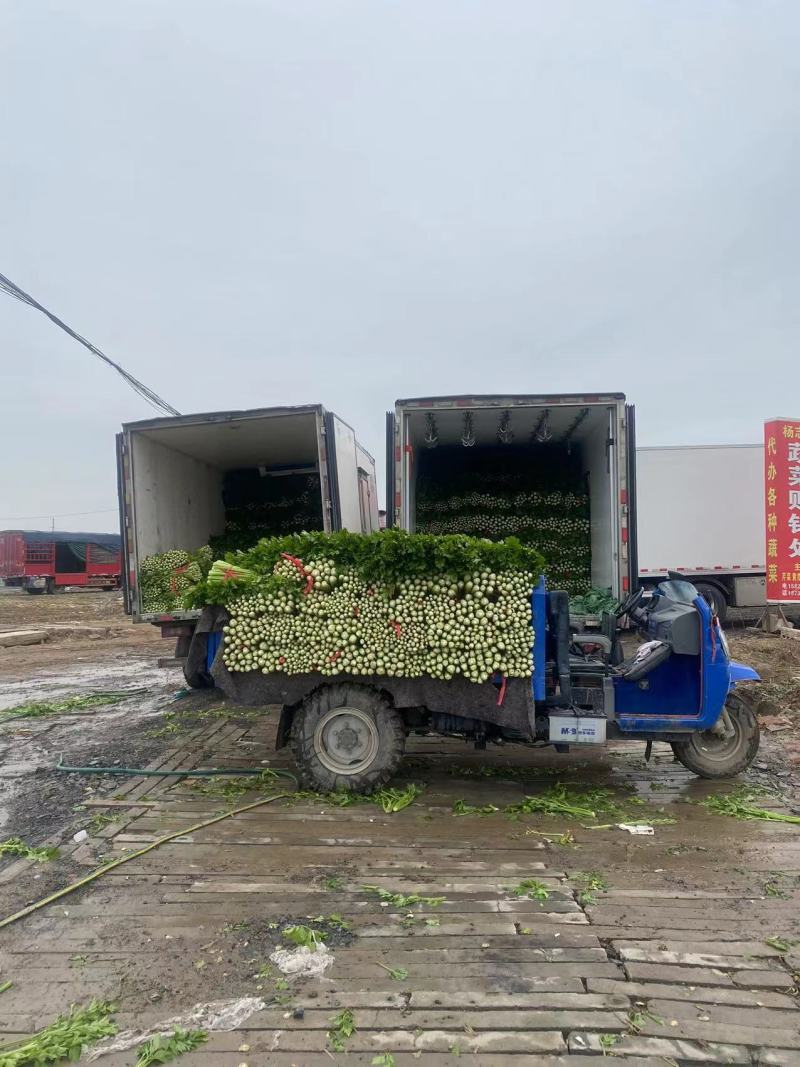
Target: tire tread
687, 753
390, 725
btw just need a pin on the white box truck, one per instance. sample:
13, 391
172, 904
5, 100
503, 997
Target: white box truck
460, 464
700, 511
186, 479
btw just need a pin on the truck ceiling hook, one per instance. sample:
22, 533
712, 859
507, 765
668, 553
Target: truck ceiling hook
468, 437
542, 431
505, 435
431, 433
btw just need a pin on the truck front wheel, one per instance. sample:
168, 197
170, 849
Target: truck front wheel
711, 755
348, 738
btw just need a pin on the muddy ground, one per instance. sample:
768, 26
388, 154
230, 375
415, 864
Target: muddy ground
91, 648
679, 929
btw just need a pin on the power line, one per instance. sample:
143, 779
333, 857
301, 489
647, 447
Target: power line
9, 287
63, 515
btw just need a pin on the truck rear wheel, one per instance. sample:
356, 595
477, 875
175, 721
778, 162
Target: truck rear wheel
714, 597
193, 650
711, 756
347, 737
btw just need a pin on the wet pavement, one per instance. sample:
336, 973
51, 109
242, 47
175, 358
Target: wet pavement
557, 939
668, 957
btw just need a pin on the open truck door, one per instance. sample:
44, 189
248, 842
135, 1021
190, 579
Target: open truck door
123, 500
343, 467
633, 539
390, 469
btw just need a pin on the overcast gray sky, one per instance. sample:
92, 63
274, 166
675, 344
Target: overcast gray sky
258, 203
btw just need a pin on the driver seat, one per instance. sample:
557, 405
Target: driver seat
646, 658
603, 643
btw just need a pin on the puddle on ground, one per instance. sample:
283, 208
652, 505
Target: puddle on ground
90, 678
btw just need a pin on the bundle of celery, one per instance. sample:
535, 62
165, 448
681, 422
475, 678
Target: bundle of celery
166, 577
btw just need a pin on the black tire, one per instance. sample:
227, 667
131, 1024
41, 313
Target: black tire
714, 597
711, 756
33, 592
195, 651
198, 679
369, 754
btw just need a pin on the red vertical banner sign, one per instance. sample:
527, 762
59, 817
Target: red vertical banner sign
782, 509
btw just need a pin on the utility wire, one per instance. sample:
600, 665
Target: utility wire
62, 515
9, 287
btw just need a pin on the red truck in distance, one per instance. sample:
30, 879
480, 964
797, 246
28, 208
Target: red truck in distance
41, 561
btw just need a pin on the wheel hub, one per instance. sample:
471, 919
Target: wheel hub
346, 740
719, 744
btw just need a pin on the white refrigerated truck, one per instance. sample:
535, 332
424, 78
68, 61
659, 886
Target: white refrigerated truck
700, 511
179, 479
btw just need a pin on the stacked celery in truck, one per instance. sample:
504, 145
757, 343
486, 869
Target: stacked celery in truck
393, 605
195, 487
554, 471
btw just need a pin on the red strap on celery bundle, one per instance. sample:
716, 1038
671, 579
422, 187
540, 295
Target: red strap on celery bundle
300, 566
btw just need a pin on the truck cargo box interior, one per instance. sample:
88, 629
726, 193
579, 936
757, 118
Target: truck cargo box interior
71, 557
541, 474
225, 482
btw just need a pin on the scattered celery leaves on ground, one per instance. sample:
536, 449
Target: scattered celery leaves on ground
739, 805
36, 709
461, 808
782, 944
230, 788
304, 936
559, 800
532, 889
392, 800
402, 900
64, 1039
163, 1049
342, 1028
15, 846
590, 882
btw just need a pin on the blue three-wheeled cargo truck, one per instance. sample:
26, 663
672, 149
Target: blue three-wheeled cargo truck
680, 685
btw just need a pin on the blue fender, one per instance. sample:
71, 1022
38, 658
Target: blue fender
741, 673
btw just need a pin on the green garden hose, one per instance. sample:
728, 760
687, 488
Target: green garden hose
210, 772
